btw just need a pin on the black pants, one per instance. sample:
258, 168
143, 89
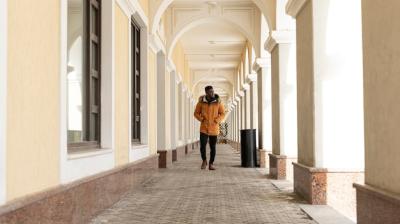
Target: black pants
203, 142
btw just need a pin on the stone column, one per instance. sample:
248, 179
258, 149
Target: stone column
377, 198
173, 129
330, 100
238, 120
263, 68
183, 122
253, 101
182, 113
247, 102
252, 80
234, 132
192, 120
284, 104
165, 153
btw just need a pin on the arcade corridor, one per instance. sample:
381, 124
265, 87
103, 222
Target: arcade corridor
97, 104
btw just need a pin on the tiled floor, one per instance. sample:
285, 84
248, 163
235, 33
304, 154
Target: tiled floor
186, 194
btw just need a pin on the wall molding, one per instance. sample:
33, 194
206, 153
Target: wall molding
3, 99
252, 77
171, 65
138, 151
178, 77
279, 37
156, 44
245, 87
74, 167
260, 63
133, 8
293, 7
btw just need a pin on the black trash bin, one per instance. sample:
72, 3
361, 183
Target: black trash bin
248, 147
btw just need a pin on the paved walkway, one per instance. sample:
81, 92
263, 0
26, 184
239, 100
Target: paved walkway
186, 194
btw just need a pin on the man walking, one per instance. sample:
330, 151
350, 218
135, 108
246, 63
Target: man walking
210, 112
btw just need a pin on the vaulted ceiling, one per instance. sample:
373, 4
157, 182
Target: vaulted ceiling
214, 46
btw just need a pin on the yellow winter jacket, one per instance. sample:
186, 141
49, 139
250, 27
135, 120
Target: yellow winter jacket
210, 114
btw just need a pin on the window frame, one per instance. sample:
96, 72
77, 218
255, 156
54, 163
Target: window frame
135, 82
91, 124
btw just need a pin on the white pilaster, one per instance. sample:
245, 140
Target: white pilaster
3, 98
281, 45
336, 81
161, 104
263, 68
173, 109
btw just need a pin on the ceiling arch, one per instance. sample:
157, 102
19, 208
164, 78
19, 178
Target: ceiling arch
223, 89
162, 5
197, 21
217, 77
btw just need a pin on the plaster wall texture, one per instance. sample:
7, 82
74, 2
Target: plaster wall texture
288, 99
338, 89
145, 6
33, 96
276, 142
381, 91
122, 91
330, 94
305, 85
152, 93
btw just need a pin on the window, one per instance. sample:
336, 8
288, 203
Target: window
135, 82
83, 73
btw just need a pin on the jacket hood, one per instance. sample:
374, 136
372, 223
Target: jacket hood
203, 99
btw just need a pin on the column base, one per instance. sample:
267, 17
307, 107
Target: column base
181, 152
165, 159
264, 158
277, 166
310, 183
376, 206
235, 145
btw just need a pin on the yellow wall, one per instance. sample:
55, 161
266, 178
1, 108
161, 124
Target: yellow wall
178, 56
187, 74
271, 9
152, 104
145, 6
33, 114
121, 87
182, 65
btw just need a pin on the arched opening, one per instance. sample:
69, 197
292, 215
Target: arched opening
162, 7
216, 20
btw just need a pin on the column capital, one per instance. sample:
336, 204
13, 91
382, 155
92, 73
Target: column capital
264, 62
240, 94
170, 65
184, 88
252, 77
156, 44
293, 7
178, 77
245, 87
279, 37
